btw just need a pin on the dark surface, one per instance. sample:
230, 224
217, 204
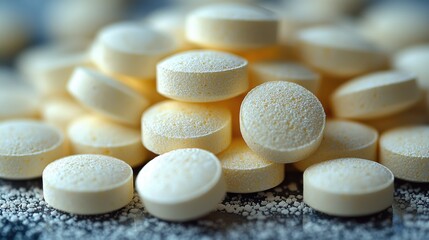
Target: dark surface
407, 219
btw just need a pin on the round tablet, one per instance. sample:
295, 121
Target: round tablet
266, 71
375, 95
171, 125
131, 49
145, 88
405, 151
247, 172
60, 112
18, 104
232, 26
181, 185
202, 76
27, 147
88, 184
414, 60
348, 187
234, 105
93, 135
282, 121
107, 96
53, 73
342, 139
338, 51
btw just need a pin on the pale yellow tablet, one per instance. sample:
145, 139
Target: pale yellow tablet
60, 112
282, 121
375, 95
27, 147
247, 172
171, 125
232, 26
15, 103
343, 139
94, 135
131, 49
181, 185
348, 187
414, 60
107, 96
338, 51
265, 71
202, 76
88, 184
405, 151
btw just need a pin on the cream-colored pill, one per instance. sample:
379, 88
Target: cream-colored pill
234, 105
202, 76
338, 51
18, 104
171, 125
131, 49
266, 71
232, 26
27, 147
343, 139
375, 95
247, 172
145, 88
282, 121
414, 60
348, 187
53, 73
60, 112
88, 184
181, 185
107, 96
93, 135
405, 151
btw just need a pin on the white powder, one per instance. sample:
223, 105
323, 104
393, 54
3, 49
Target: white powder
277, 213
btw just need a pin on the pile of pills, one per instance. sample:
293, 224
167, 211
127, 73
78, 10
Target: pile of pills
213, 104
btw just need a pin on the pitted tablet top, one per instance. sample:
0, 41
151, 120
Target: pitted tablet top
184, 120
412, 141
179, 175
95, 131
87, 173
282, 115
235, 11
24, 137
349, 176
201, 61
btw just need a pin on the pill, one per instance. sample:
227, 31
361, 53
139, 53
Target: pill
94, 135
343, 139
131, 49
27, 147
107, 96
18, 104
247, 172
414, 60
338, 51
232, 26
234, 105
266, 71
405, 151
171, 125
282, 121
348, 187
181, 185
375, 95
60, 112
88, 184
202, 76
395, 25
145, 88
53, 73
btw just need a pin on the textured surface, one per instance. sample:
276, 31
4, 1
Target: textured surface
275, 214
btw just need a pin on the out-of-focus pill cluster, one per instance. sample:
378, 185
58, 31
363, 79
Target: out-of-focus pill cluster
214, 97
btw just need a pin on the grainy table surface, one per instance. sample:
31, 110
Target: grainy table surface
275, 214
